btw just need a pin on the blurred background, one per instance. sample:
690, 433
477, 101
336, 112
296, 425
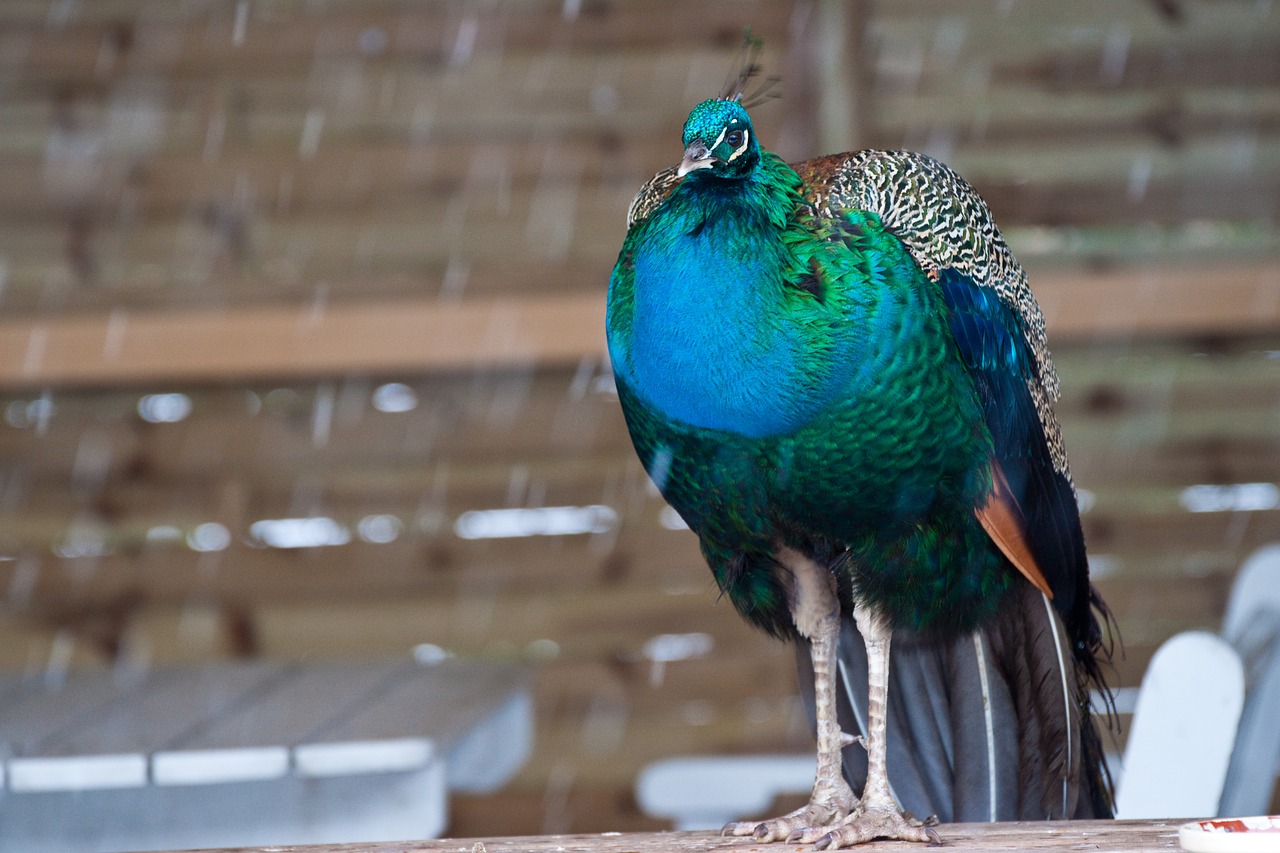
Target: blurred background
301, 349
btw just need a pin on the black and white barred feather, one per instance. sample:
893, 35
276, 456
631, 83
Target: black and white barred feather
943, 222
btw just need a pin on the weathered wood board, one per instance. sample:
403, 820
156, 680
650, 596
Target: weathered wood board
1094, 836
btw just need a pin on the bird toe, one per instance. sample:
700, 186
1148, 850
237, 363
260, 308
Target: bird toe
873, 823
739, 828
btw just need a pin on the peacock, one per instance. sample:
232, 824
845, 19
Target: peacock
836, 373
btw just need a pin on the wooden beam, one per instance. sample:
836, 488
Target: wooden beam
197, 346
1225, 300
119, 348
292, 37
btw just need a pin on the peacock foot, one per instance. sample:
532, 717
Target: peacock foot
803, 825
876, 821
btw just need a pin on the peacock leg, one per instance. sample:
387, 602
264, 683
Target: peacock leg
878, 816
816, 612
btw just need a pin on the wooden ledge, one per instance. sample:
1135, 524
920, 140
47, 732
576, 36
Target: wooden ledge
1095, 836
290, 341
416, 336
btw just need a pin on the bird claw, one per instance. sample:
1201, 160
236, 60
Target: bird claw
804, 825
776, 829
866, 824
808, 835
829, 827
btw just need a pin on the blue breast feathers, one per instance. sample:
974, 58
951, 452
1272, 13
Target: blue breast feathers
707, 345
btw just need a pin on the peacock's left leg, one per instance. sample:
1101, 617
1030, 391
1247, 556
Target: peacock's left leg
878, 815
816, 612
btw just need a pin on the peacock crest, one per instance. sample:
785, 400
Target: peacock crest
750, 72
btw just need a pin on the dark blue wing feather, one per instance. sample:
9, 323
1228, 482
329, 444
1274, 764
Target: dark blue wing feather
993, 346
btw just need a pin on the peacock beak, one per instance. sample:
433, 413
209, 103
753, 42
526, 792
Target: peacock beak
696, 156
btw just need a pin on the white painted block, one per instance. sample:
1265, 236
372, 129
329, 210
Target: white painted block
218, 766
708, 792
350, 758
77, 773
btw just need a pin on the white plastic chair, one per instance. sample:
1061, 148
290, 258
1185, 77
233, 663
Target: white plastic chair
1252, 625
1183, 729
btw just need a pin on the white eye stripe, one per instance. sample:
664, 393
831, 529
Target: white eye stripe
746, 138
713, 146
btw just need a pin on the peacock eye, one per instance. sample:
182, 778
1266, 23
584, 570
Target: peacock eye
734, 138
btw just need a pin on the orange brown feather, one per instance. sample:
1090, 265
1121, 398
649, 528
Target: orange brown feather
1002, 518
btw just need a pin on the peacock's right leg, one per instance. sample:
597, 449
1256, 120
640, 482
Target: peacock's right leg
816, 612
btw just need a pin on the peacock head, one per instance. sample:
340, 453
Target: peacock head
719, 138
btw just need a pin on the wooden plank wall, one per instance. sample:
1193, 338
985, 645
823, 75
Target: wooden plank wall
224, 162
